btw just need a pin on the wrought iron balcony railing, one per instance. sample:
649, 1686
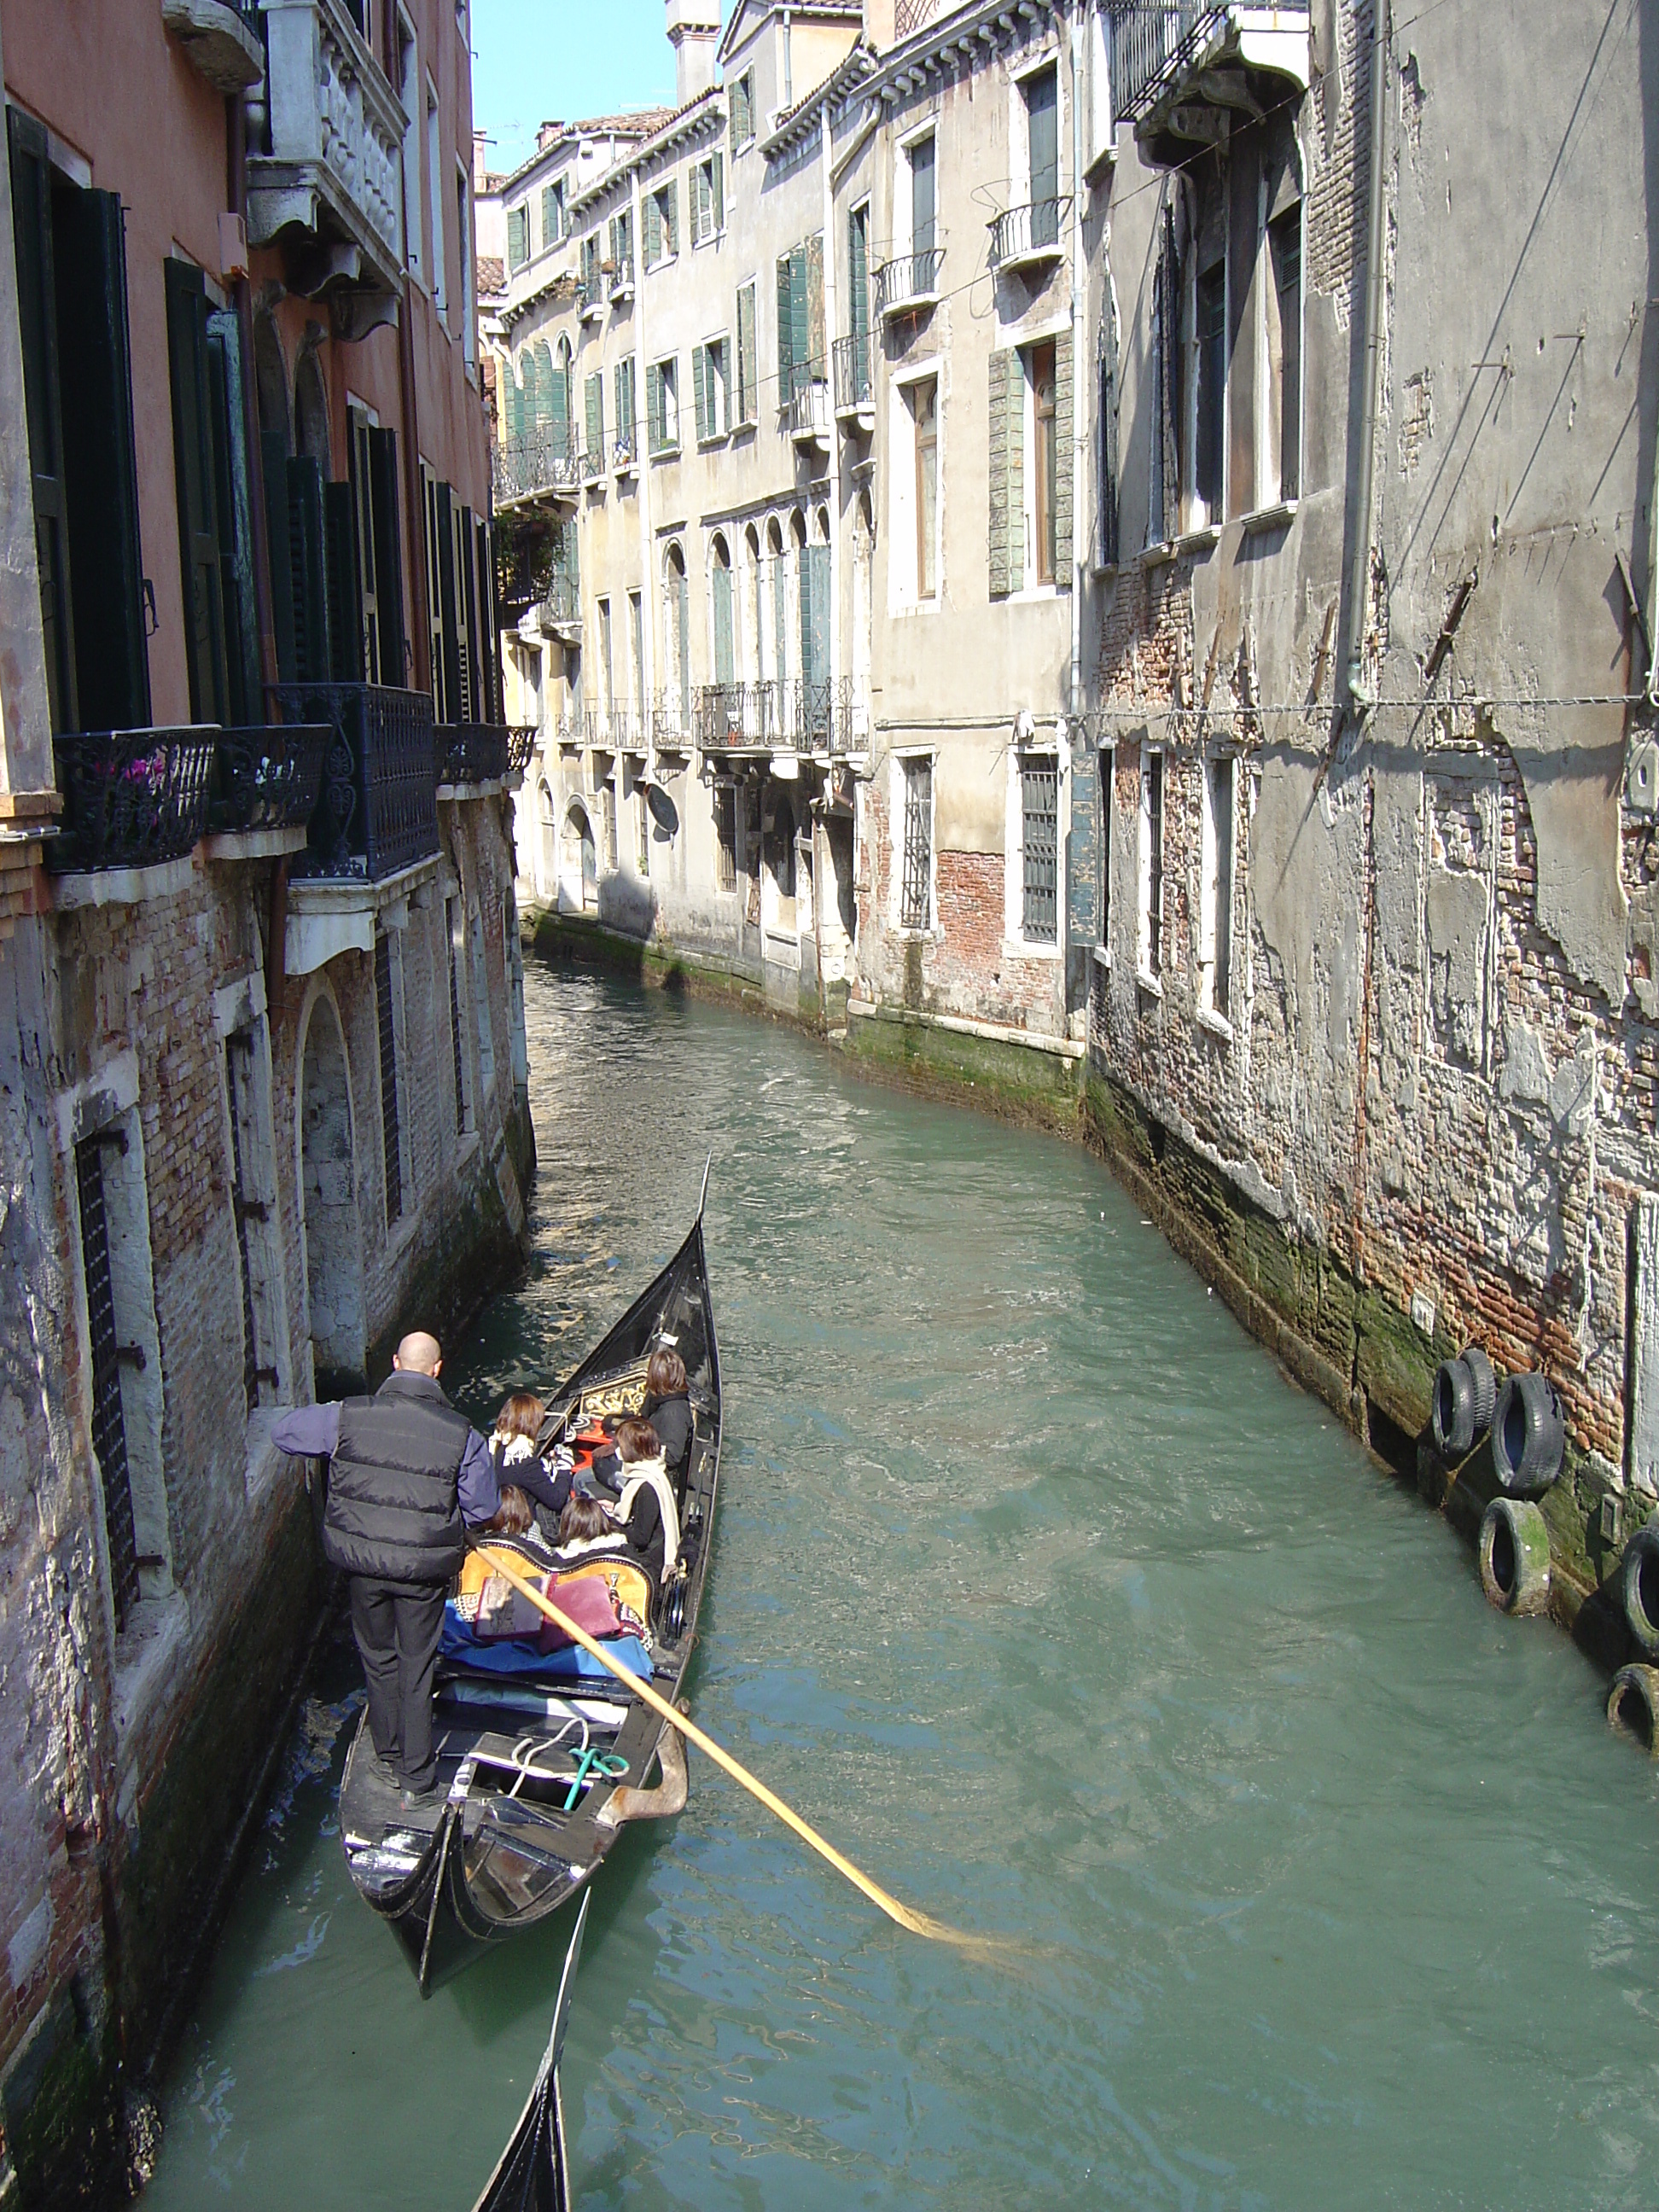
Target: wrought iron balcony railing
822, 713
672, 722
809, 402
562, 606
625, 454
1148, 36
520, 746
910, 15
132, 799
378, 809
591, 294
1180, 66
909, 282
592, 465
269, 778
856, 387
622, 278
471, 752
1025, 236
543, 464
620, 729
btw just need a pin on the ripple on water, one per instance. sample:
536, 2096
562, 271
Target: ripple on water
1039, 1589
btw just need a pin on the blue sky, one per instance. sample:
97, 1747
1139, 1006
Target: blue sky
537, 59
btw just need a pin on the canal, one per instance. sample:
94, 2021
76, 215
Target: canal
1041, 1590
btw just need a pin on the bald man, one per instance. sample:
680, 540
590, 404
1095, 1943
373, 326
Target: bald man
407, 1476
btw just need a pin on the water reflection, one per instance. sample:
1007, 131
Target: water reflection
1039, 1591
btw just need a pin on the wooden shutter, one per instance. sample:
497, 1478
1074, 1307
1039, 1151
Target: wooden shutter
273, 460
306, 563
518, 237
345, 589
466, 613
1008, 445
747, 378
800, 316
624, 382
732, 99
699, 388
369, 609
814, 618
682, 610
717, 188
1108, 429
193, 472
1060, 490
785, 334
448, 614
858, 273
436, 534
388, 555
670, 212
694, 214
593, 409
228, 387
31, 199
723, 657
654, 408
100, 483
488, 616
817, 352
653, 230
550, 217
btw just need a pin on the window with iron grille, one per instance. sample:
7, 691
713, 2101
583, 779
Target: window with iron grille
1151, 861
109, 1432
1104, 847
726, 838
250, 1208
1039, 815
915, 884
463, 1111
390, 1131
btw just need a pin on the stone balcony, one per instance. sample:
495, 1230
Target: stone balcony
1186, 72
328, 185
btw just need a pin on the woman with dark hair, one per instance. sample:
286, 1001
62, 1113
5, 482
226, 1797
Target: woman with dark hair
513, 1446
667, 1407
583, 1527
646, 1510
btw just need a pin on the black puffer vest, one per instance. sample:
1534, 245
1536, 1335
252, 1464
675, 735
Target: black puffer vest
392, 1508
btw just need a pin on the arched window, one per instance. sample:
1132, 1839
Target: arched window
720, 588
779, 593
676, 592
754, 626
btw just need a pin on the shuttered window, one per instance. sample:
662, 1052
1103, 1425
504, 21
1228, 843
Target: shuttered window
709, 199
621, 243
345, 589
1064, 403
518, 237
662, 401
709, 385
387, 1025
109, 1432
662, 228
858, 271
625, 396
552, 215
228, 385
293, 519
795, 317
748, 409
37, 307
388, 555
1108, 458
724, 669
195, 477
363, 526
594, 413
464, 558
815, 641
1039, 790
1008, 444
741, 101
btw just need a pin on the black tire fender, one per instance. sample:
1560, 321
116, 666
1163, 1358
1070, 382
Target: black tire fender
1639, 1586
1452, 1413
1633, 1706
1514, 1556
1528, 1435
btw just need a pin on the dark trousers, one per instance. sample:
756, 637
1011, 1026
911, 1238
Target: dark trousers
397, 1625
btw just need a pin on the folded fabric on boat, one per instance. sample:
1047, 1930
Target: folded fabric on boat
462, 1648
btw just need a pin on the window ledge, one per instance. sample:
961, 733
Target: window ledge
1101, 167
714, 438
1199, 541
1147, 981
666, 453
1103, 956
122, 886
1268, 518
1021, 948
467, 1143
1217, 1024
1154, 557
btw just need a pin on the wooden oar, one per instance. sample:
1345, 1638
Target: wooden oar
919, 1923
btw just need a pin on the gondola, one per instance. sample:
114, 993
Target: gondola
538, 1773
531, 2174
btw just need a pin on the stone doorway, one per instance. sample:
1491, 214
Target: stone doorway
334, 1254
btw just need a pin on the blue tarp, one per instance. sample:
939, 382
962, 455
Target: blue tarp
515, 1656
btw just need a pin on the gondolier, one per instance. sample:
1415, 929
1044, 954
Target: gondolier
408, 1475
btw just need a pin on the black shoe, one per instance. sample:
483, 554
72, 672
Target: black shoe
430, 1799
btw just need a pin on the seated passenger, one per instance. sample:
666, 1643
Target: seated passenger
514, 1447
668, 1409
646, 1510
516, 1516
585, 1528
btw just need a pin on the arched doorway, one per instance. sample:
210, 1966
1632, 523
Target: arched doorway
778, 884
334, 1259
547, 851
677, 592
579, 886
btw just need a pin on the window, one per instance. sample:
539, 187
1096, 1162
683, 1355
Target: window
1100, 80
518, 237
740, 101
636, 645
719, 584
481, 1006
1041, 98
915, 882
206, 368
593, 415
707, 199
709, 381
1150, 947
922, 399
455, 932
435, 185
409, 89
1045, 473
1207, 427
622, 250
677, 591
662, 224
1039, 824
725, 837
858, 280
1215, 888
607, 666
1106, 459
552, 214
623, 382
1104, 848
253, 1202
466, 302
748, 407
590, 269
663, 405
922, 206
388, 1023
109, 1417
1282, 299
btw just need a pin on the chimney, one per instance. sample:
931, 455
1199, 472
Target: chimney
693, 31
480, 161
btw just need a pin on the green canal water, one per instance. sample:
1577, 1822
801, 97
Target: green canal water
1041, 1591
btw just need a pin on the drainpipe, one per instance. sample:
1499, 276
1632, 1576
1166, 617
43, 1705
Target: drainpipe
241, 293
1359, 581
788, 63
643, 479
1063, 919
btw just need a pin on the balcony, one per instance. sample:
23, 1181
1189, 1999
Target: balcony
1184, 71
132, 799
624, 455
377, 812
520, 746
855, 385
622, 730
809, 403
329, 184
267, 779
1031, 237
592, 466
560, 610
909, 284
671, 725
591, 296
470, 754
622, 280
545, 465
220, 40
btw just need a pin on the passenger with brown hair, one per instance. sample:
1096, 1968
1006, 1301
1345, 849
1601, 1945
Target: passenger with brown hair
667, 1407
583, 1527
513, 1446
646, 1510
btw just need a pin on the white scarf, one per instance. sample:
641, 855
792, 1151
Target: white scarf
652, 1474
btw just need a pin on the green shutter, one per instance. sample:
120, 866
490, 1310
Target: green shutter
814, 618
653, 230
623, 386
816, 350
307, 568
1062, 492
734, 99
194, 475
1007, 443
518, 237
723, 656
593, 408
31, 194
388, 553
785, 334
273, 462
448, 614
858, 271
699, 386
554, 394
550, 217
717, 178
747, 411
654, 408
801, 318
670, 209
100, 482
228, 383
345, 592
